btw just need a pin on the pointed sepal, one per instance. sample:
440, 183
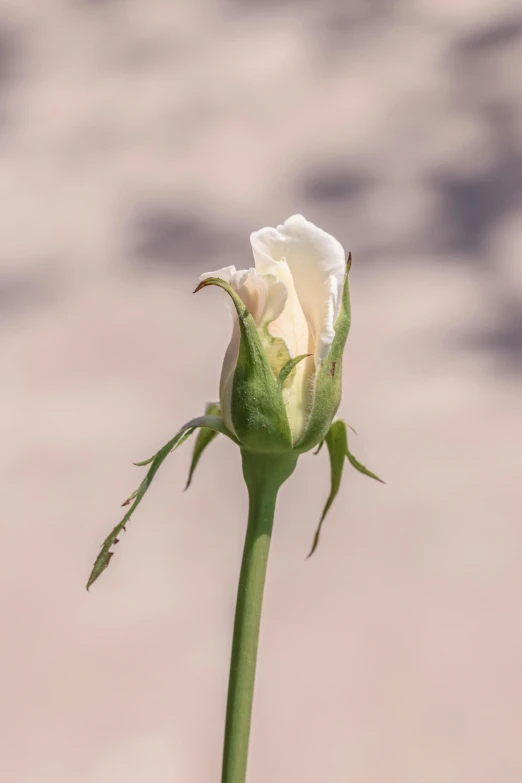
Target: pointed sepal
354, 462
210, 422
186, 435
337, 444
257, 407
288, 368
204, 438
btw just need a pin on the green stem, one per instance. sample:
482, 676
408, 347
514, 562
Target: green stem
264, 474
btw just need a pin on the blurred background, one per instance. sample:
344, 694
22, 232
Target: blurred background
140, 143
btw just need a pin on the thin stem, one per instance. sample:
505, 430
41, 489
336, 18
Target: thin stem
264, 474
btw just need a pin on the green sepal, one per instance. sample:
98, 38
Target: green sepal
321, 444
257, 407
275, 348
358, 466
204, 438
186, 435
328, 381
337, 444
288, 367
211, 422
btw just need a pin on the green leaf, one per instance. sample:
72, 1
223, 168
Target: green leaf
337, 444
210, 422
204, 438
258, 410
358, 466
328, 383
288, 367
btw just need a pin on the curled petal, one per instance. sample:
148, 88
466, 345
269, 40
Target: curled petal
316, 261
263, 295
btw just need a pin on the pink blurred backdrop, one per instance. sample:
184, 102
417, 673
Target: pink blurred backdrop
140, 143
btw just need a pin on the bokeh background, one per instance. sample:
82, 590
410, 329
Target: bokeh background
140, 143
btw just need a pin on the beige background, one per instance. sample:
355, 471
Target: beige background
140, 143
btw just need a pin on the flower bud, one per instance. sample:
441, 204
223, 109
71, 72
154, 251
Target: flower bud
281, 378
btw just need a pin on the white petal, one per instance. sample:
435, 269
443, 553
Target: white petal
227, 376
263, 295
317, 263
292, 327
225, 274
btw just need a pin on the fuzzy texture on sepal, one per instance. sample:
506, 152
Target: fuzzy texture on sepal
257, 409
